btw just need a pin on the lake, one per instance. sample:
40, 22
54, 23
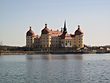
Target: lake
57, 68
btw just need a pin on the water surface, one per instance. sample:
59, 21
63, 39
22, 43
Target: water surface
66, 68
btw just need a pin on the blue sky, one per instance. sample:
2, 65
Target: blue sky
17, 15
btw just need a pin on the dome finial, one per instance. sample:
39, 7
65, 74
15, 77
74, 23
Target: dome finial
30, 27
78, 26
45, 25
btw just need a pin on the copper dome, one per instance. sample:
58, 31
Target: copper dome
78, 31
30, 33
45, 30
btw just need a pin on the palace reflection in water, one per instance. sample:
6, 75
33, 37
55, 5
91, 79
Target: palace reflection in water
55, 69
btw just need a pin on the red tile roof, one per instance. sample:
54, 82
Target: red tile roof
66, 36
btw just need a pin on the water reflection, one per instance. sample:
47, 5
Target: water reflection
55, 69
54, 57
59, 69
29, 70
78, 71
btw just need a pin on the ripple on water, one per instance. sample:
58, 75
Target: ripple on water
56, 70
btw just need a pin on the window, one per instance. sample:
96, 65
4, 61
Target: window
70, 43
66, 43
79, 45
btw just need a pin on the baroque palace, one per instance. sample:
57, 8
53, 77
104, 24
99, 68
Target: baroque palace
54, 38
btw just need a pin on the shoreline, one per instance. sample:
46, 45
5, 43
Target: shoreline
39, 52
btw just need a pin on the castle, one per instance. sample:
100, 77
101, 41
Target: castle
54, 38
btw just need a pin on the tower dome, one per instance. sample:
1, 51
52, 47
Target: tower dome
30, 32
78, 31
45, 30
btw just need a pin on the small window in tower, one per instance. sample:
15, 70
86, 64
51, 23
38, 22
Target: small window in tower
70, 43
66, 43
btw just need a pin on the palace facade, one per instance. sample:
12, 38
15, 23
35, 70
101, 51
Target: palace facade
55, 38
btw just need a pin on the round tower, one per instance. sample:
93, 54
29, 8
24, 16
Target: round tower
30, 38
79, 38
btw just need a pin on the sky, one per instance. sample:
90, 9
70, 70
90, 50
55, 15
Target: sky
17, 15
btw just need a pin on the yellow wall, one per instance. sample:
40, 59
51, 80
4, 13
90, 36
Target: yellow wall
55, 41
79, 41
45, 40
67, 42
48, 41
29, 41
